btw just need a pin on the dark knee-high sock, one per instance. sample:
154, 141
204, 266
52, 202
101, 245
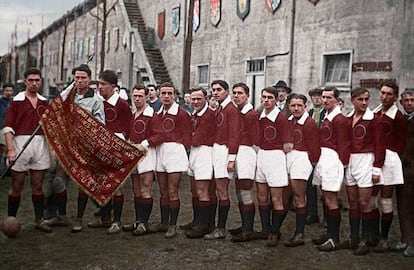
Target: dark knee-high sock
138, 209
195, 203
386, 221
278, 216
38, 205
13, 205
82, 201
247, 212
264, 211
146, 208
204, 213
174, 210
213, 211
165, 210
354, 223
62, 199
333, 220
118, 205
301, 214
223, 212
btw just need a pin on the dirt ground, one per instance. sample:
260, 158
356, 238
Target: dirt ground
95, 250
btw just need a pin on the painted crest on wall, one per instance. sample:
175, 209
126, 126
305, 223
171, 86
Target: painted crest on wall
272, 5
161, 24
215, 12
243, 8
175, 20
314, 1
196, 18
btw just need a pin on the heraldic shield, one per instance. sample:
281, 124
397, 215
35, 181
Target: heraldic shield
243, 8
196, 16
272, 5
161, 24
175, 20
215, 12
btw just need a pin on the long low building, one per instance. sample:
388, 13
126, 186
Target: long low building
306, 43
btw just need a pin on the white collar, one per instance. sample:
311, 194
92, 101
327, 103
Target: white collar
148, 111
20, 96
302, 119
392, 111
225, 102
330, 116
368, 115
246, 108
272, 115
203, 110
113, 99
173, 109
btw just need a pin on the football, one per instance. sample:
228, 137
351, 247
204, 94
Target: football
10, 227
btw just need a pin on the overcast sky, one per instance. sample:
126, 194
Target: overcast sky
28, 15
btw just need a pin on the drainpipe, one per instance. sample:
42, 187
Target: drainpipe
184, 12
292, 40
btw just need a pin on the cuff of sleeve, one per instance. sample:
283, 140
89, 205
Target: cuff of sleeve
145, 144
376, 171
232, 157
7, 130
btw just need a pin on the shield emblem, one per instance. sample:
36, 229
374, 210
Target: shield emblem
243, 8
196, 17
215, 12
272, 5
161, 24
314, 1
175, 17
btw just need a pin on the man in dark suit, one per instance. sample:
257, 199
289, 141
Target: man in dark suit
317, 113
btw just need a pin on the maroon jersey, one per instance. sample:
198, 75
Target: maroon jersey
366, 137
334, 134
146, 126
203, 127
274, 130
249, 126
118, 116
394, 129
305, 136
176, 125
22, 117
228, 126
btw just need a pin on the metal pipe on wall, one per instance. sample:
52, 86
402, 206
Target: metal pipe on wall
291, 43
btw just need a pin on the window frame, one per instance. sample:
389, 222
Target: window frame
341, 85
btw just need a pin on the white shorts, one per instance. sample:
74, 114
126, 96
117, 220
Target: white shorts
2, 138
329, 172
147, 164
220, 161
171, 157
392, 169
246, 162
298, 165
359, 171
271, 168
201, 162
36, 156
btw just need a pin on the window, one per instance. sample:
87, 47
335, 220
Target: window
116, 38
107, 41
336, 69
256, 65
92, 45
203, 75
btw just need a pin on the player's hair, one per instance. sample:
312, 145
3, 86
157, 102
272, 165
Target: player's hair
243, 86
222, 83
32, 71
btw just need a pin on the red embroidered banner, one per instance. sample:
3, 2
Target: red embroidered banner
97, 160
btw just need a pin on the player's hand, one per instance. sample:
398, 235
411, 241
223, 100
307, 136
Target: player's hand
287, 147
375, 179
11, 156
140, 147
231, 166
